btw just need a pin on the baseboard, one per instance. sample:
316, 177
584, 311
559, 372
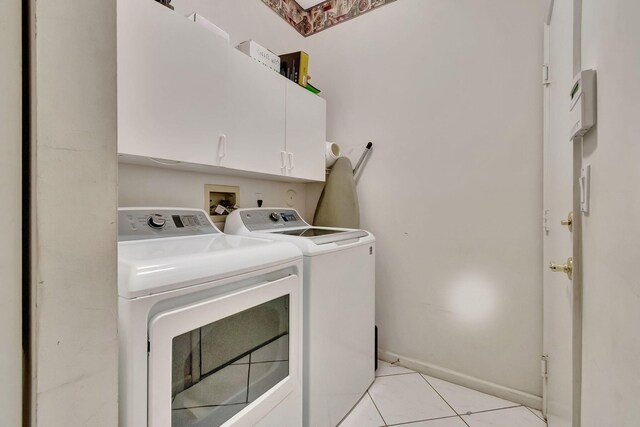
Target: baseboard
474, 383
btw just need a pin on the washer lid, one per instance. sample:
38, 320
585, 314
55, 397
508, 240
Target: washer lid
147, 267
322, 236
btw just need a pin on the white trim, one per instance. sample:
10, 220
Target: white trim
546, 112
11, 362
513, 395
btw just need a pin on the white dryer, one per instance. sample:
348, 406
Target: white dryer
339, 307
209, 324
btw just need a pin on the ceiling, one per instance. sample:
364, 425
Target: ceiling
306, 4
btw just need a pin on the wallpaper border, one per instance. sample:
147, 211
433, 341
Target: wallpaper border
324, 15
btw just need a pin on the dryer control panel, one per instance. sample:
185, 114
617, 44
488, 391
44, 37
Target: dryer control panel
156, 223
271, 219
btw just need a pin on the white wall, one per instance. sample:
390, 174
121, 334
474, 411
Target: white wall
450, 93
10, 215
243, 20
138, 186
611, 348
74, 222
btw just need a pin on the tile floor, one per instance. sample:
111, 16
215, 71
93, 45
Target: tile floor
401, 397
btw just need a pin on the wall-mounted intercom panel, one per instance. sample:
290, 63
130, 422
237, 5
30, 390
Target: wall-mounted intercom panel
583, 103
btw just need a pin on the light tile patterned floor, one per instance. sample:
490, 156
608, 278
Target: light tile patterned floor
402, 397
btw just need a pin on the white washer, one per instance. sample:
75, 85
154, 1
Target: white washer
210, 327
339, 307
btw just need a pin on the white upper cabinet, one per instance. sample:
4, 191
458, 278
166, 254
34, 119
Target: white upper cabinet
185, 95
256, 117
172, 96
306, 133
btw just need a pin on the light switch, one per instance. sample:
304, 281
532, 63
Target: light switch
585, 188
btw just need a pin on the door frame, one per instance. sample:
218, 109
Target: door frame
11, 181
577, 280
577, 234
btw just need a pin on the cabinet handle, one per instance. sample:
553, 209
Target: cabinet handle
222, 146
283, 162
290, 154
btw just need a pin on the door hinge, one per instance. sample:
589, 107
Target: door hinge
545, 75
148, 346
544, 366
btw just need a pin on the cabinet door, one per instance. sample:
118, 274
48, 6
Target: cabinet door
256, 117
172, 94
306, 133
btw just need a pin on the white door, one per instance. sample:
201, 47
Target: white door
306, 133
558, 193
255, 139
228, 360
172, 85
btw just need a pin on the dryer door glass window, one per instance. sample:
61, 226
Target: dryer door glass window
220, 368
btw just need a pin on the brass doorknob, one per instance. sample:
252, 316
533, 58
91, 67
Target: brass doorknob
568, 222
563, 268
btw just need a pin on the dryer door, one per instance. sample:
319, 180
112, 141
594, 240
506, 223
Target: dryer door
227, 360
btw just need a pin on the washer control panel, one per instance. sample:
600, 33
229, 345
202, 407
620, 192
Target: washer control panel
155, 223
271, 219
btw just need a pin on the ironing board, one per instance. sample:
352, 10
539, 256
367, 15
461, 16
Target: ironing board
338, 204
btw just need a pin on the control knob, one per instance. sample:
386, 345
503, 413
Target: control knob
156, 221
274, 216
